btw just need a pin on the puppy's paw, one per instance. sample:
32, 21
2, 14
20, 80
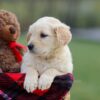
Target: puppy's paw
30, 83
45, 82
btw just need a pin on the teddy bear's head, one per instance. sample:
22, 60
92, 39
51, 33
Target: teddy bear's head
9, 26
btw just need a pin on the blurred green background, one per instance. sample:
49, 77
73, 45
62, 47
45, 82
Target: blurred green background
84, 18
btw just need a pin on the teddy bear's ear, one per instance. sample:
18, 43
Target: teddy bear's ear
63, 34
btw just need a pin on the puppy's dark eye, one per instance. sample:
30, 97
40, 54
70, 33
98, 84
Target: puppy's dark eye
43, 35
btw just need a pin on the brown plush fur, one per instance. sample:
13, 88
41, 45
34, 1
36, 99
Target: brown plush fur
9, 31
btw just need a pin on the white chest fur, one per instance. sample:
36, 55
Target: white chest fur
62, 62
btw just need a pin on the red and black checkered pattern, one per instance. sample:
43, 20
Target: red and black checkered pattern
11, 88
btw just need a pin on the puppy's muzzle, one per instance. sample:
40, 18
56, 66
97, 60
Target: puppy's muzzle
30, 47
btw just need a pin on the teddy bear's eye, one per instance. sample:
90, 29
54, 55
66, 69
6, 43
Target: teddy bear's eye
43, 35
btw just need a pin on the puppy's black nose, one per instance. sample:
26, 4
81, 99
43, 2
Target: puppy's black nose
30, 46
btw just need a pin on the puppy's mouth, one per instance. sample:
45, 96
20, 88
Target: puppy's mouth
38, 52
31, 51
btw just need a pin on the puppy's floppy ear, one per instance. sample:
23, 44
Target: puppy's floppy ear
63, 33
28, 36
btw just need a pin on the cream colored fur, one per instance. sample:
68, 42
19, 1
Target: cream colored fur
51, 55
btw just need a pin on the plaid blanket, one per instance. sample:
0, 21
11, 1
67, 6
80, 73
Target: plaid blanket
11, 88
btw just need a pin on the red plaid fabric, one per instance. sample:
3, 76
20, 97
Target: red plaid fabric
11, 88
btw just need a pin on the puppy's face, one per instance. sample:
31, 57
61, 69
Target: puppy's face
46, 35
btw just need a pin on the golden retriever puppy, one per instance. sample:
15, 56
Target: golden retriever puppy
48, 53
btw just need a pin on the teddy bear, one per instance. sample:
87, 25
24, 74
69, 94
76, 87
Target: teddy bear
10, 51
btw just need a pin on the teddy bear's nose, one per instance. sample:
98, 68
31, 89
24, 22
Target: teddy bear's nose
12, 30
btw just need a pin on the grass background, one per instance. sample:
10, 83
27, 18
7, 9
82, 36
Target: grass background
86, 59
